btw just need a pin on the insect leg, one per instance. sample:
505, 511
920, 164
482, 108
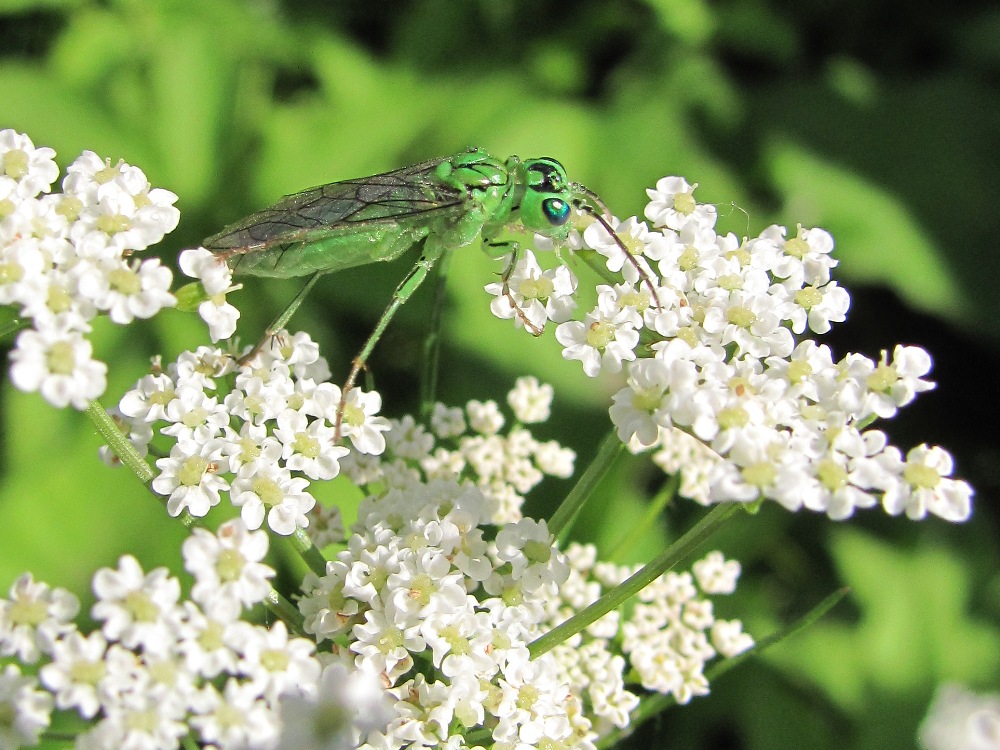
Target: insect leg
403, 293
282, 320
513, 249
432, 343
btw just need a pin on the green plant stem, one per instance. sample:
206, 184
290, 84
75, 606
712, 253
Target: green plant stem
566, 513
286, 611
617, 596
303, 544
119, 443
654, 705
432, 343
667, 493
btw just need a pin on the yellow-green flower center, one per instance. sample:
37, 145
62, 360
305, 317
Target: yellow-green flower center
527, 695
733, 416
391, 638
125, 281
141, 607
229, 565
306, 445
688, 259
60, 358
537, 552
421, 589
15, 163
70, 206
268, 491
113, 223
354, 415
11, 272
799, 370
731, 281
808, 297
274, 659
28, 612
210, 638
192, 471
600, 334
646, 400
684, 203
797, 247
921, 476
109, 173
59, 300
760, 474
831, 474
454, 639
741, 317
540, 288
87, 672
883, 378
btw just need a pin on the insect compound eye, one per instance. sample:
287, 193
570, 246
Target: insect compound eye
556, 210
546, 175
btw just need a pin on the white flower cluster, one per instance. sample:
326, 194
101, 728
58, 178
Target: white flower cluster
666, 639
708, 325
259, 431
64, 259
505, 467
422, 597
161, 669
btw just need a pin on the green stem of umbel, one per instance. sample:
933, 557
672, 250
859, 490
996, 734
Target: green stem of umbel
638, 581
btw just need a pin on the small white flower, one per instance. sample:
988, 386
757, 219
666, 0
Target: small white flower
672, 205
530, 400
76, 671
139, 290
601, 342
527, 546
238, 717
923, 485
228, 573
34, 617
361, 423
208, 268
27, 712
308, 446
267, 490
275, 664
138, 609
346, 706
716, 575
729, 639
533, 297
447, 422
484, 417
28, 170
59, 366
190, 478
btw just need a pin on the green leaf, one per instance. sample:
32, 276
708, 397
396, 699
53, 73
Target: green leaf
913, 632
877, 239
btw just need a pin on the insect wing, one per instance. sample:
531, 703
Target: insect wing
403, 195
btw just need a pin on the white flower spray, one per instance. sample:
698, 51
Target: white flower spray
433, 622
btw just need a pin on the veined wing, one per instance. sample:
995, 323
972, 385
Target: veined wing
402, 195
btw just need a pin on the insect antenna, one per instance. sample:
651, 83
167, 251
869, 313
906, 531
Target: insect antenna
600, 217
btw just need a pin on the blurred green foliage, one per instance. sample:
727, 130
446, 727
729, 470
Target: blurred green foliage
876, 120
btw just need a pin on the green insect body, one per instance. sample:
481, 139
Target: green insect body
447, 203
